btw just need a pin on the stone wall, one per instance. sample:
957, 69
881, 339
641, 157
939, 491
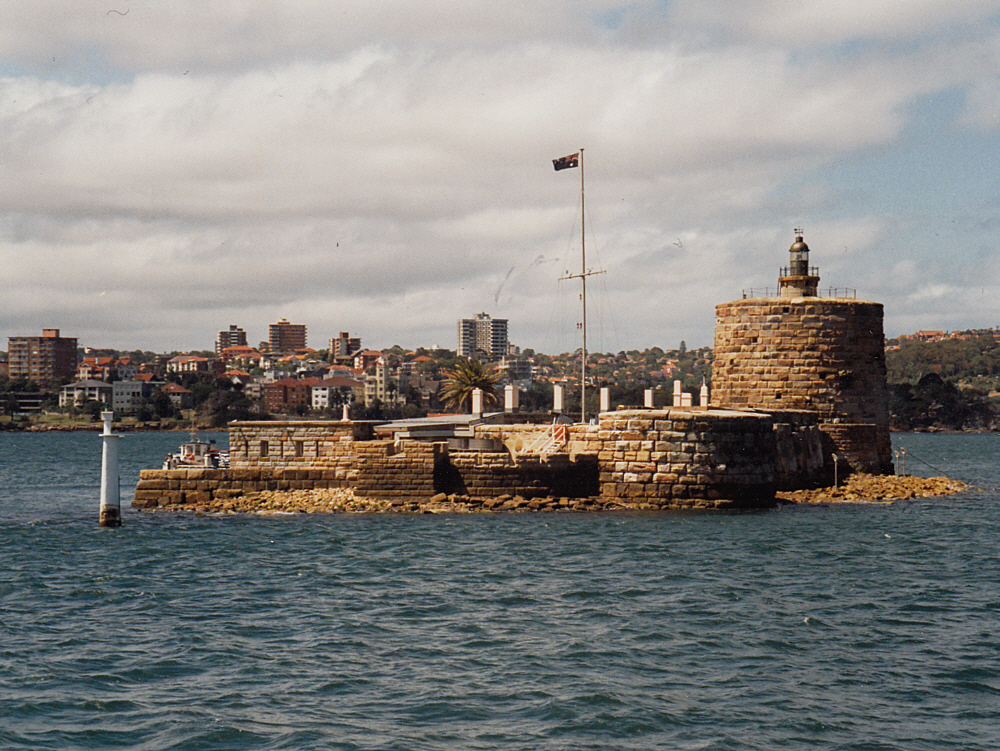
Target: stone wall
800, 458
822, 355
160, 487
667, 458
489, 474
679, 458
312, 443
407, 470
856, 447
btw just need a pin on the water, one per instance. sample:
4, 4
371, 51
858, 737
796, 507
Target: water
848, 627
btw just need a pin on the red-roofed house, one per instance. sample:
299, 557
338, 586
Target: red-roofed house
181, 397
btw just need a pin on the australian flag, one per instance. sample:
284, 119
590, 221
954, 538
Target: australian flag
567, 162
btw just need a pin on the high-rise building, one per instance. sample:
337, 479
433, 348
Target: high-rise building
482, 337
344, 345
235, 337
42, 358
286, 337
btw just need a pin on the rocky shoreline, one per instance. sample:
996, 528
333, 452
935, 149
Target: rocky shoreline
858, 488
862, 488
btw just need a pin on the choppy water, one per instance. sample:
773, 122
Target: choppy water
850, 627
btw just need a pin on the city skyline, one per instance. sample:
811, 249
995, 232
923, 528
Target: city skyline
169, 171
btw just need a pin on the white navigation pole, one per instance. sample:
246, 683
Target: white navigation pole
568, 162
111, 511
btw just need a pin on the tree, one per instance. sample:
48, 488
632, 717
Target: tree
10, 403
162, 406
463, 379
221, 407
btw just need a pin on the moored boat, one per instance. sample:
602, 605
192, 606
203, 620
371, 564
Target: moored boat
197, 453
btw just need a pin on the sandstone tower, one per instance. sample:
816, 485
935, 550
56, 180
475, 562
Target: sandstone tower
800, 351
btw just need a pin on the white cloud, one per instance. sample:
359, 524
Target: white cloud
813, 23
387, 170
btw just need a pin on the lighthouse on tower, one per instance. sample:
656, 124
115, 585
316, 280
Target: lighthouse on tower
797, 279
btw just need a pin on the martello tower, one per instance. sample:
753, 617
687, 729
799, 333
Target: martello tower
801, 351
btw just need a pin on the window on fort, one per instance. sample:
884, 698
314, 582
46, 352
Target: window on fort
300, 448
265, 449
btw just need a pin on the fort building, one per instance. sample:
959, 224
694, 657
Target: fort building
797, 350
798, 393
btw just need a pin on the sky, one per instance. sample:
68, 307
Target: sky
385, 168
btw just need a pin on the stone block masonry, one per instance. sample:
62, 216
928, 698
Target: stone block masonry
670, 458
162, 487
312, 443
482, 474
824, 355
679, 459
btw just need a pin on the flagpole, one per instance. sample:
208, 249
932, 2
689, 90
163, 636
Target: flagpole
567, 162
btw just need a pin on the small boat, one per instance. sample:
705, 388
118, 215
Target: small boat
197, 453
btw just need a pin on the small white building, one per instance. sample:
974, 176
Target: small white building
334, 391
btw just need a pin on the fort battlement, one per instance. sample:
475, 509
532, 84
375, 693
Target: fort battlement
667, 458
798, 395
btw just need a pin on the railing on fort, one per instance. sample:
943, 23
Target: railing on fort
756, 292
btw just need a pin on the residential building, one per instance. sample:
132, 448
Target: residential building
424, 389
384, 385
516, 371
482, 338
335, 391
181, 397
234, 337
28, 401
127, 396
287, 393
286, 337
344, 345
364, 360
42, 358
241, 355
188, 364
105, 368
126, 368
85, 391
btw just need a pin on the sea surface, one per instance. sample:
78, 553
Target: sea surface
842, 627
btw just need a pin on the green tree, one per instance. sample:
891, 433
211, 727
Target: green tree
223, 406
10, 403
162, 406
463, 379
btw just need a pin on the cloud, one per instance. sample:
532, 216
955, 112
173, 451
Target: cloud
811, 23
383, 169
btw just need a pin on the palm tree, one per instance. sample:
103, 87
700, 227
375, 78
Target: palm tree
463, 378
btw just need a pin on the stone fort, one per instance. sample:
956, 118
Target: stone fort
798, 395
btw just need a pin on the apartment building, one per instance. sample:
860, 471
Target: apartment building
42, 358
482, 338
344, 345
234, 337
286, 337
